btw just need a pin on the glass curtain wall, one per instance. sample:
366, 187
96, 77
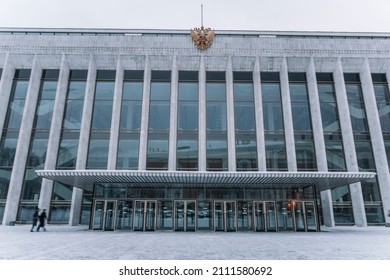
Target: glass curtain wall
365, 158
216, 118
38, 144
382, 95
101, 120
342, 204
10, 133
187, 121
130, 122
69, 142
159, 116
275, 145
303, 132
244, 118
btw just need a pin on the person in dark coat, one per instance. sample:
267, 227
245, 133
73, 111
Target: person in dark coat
42, 220
35, 218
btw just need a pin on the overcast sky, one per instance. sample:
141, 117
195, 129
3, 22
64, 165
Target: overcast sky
268, 15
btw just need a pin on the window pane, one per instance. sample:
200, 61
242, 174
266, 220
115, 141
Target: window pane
160, 91
217, 155
215, 91
128, 154
159, 115
244, 115
157, 154
187, 155
188, 116
98, 153
243, 92
73, 114
67, 153
102, 113
273, 117
104, 90
132, 90
216, 116
44, 114
270, 92
131, 115
188, 91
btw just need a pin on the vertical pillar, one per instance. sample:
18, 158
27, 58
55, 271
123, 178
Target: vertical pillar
202, 161
173, 117
55, 134
82, 151
22, 148
377, 143
231, 133
287, 117
116, 116
319, 142
143, 143
261, 158
5, 90
349, 149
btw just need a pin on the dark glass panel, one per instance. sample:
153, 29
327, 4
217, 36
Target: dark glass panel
343, 215
5, 177
326, 93
78, 75
329, 115
215, 76
297, 77
374, 215
242, 76
7, 151
22, 74
379, 78
15, 114
161, 76
306, 156
275, 149
341, 194
133, 75
127, 154
324, 77
62, 192
105, 75
19, 89
270, 77
98, 154
50, 74
351, 78
370, 189
59, 213
44, 114
188, 76
364, 155
354, 93
1, 73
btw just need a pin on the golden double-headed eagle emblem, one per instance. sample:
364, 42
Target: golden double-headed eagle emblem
202, 37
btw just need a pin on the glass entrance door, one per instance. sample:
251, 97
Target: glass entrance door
104, 215
305, 216
185, 215
125, 215
264, 216
225, 216
145, 215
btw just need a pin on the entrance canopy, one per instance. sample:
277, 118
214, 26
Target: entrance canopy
85, 179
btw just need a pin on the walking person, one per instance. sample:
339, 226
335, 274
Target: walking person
42, 220
35, 218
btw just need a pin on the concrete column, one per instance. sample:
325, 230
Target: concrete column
116, 116
349, 149
319, 142
173, 117
378, 145
82, 151
231, 131
5, 90
143, 143
287, 118
260, 140
202, 161
55, 134
22, 148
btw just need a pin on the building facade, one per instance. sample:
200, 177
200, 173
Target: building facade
142, 130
